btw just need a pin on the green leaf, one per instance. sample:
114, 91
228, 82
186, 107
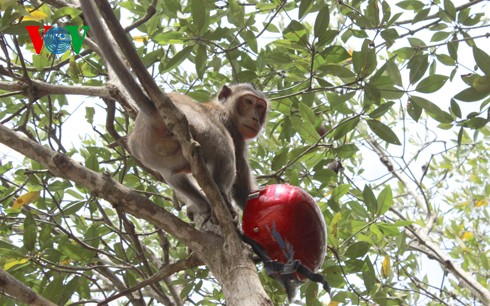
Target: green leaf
201, 61
421, 15
345, 127
338, 71
345, 151
169, 38
390, 36
280, 159
40, 61
369, 274
92, 162
482, 84
199, 14
304, 8
385, 200
358, 209
381, 110
364, 61
250, 39
432, 110
418, 66
73, 208
450, 9
414, 111
411, 5
178, 58
358, 249
370, 199
66, 11
482, 60
322, 22
431, 83
394, 72
446, 59
476, 123
470, 95
53, 291
383, 132
30, 232
455, 109
305, 129
89, 114
438, 36
68, 290
336, 54
306, 113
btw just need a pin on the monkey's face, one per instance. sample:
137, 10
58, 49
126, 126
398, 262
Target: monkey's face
251, 112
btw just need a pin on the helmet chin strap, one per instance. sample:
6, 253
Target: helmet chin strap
284, 272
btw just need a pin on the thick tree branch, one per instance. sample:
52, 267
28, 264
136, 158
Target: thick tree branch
21, 292
104, 186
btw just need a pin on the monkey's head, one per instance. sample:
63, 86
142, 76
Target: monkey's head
246, 107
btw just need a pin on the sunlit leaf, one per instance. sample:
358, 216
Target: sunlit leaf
481, 203
36, 15
386, 267
14, 262
26, 199
467, 236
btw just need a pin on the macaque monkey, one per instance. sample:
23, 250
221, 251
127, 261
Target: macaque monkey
157, 148
244, 113
222, 127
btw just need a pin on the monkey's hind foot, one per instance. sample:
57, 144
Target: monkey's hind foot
206, 222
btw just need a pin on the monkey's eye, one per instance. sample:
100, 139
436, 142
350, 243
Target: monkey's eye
261, 105
249, 101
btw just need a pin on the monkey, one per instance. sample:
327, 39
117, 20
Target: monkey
244, 114
152, 143
222, 126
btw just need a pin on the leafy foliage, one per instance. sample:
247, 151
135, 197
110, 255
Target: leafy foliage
342, 77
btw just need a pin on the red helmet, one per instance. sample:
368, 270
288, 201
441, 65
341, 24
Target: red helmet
288, 224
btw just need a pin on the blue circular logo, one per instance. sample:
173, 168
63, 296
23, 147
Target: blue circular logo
57, 40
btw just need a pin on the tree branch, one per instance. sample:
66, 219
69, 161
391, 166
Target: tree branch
40, 89
192, 261
20, 291
104, 186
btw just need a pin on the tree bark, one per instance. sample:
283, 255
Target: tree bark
20, 291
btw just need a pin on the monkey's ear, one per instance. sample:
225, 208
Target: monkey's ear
225, 93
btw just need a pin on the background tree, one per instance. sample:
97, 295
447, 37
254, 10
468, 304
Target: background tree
384, 87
